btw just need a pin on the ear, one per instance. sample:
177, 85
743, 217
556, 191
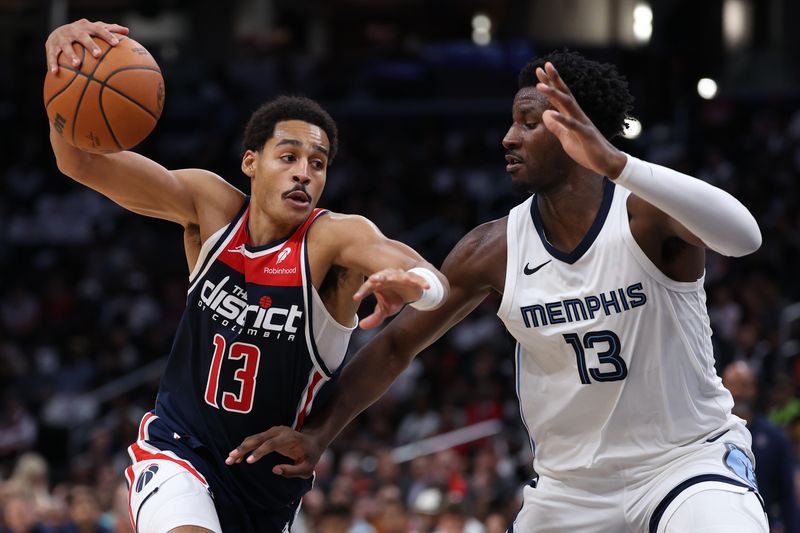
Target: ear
249, 163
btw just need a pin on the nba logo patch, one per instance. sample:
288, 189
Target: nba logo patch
145, 477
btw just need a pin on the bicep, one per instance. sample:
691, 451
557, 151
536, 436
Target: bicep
358, 244
654, 224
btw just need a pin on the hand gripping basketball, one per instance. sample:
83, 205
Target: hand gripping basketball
108, 102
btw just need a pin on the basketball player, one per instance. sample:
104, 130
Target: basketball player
601, 273
274, 287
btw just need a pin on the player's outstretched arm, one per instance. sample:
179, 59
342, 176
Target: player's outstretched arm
129, 179
698, 213
471, 267
396, 274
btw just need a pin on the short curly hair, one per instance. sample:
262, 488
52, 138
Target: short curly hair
261, 126
600, 90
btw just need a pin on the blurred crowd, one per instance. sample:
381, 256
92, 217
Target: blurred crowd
91, 294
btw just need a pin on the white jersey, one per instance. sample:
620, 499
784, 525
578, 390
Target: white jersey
615, 370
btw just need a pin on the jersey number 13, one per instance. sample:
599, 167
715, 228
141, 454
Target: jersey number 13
610, 356
242, 400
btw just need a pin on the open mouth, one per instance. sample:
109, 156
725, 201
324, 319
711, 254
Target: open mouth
297, 197
513, 163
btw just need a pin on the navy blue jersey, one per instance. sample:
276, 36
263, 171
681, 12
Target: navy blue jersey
244, 359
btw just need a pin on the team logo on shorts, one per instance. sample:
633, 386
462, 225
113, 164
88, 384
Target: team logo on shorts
148, 474
740, 464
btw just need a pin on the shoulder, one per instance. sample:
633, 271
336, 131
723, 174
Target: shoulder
332, 227
643, 211
333, 221
485, 241
210, 189
480, 256
216, 201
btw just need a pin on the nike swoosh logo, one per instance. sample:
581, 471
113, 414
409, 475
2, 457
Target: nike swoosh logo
528, 271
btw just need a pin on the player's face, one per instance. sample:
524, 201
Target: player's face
534, 157
288, 174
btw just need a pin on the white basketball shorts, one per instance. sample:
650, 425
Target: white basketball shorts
704, 489
163, 494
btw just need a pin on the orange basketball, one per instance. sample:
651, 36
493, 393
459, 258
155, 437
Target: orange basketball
111, 103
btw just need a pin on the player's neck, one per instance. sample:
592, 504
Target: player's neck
263, 229
569, 210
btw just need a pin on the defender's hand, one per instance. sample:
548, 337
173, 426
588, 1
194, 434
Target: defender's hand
80, 31
578, 135
297, 446
393, 288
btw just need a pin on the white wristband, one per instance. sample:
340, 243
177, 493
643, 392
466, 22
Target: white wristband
432, 296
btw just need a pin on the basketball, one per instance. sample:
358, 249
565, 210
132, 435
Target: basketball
111, 102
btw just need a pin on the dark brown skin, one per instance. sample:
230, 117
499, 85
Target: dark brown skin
559, 154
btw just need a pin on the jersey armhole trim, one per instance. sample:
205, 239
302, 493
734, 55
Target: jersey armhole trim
308, 286
212, 247
512, 258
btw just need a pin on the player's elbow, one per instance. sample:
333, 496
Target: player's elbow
398, 355
67, 165
748, 240
752, 244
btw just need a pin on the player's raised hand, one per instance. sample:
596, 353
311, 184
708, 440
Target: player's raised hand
393, 288
80, 31
577, 133
299, 447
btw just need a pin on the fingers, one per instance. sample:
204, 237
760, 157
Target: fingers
52, 51
303, 469
115, 28
557, 123
82, 31
556, 90
374, 320
558, 82
86, 40
259, 444
247, 445
65, 47
393, 278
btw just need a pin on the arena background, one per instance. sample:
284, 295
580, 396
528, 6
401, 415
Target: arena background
90, 294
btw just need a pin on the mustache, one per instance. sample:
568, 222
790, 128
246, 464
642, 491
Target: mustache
299, 187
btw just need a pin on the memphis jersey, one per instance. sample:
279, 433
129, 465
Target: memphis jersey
614, 363
254, 348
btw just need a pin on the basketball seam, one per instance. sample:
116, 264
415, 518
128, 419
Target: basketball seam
80, 99
104, 84
65, 87
105, 118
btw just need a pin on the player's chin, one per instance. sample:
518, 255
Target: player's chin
521, 187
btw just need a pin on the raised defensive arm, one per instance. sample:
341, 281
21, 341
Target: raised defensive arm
698, 213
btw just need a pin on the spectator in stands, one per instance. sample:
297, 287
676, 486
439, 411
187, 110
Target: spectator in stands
773, 454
